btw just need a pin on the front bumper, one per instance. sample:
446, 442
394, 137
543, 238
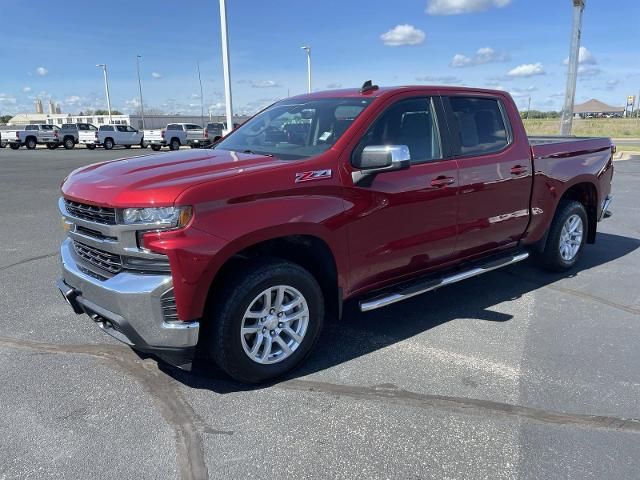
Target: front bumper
128, 306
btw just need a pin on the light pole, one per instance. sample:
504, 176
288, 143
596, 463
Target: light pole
572, 69
308, 50
138, 57
201, 97
225, 64
106, 86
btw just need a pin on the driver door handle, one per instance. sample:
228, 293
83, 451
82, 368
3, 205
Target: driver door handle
442, 181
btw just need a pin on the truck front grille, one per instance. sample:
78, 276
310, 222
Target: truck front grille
106, 261
91, 213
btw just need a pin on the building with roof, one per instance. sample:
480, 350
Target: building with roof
150, 121
596, 107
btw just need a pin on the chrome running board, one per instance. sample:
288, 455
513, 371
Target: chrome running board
433, 284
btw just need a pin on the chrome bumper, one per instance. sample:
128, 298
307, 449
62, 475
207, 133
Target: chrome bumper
127, 306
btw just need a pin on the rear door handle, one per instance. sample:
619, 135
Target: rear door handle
518, 170
442, 181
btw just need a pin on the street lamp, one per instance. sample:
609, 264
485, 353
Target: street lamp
201, 97
106, 86
308, 50
138, 57
225, 64
572, 69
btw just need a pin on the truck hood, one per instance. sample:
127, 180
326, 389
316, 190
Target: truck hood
158, 179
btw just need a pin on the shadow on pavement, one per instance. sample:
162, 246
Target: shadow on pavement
358, 334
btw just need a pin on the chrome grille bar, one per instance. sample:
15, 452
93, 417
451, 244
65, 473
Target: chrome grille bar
91, 213
109, 262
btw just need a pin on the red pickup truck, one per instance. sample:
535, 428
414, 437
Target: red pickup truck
238, 252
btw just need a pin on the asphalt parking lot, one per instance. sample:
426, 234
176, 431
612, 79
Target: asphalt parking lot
516, 374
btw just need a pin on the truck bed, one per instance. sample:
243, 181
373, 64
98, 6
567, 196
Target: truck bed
550, 139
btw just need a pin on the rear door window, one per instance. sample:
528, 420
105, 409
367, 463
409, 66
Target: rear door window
479, 125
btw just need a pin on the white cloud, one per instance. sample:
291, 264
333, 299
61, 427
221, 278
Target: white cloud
334, 85
482, 56
588, 71
585, 57
611, 84
460, 60
73, 101
156, 75
457, 7
443, 80
527, 70
6, 98
403, 35
263, 83
522, 92
26, 89
42, 71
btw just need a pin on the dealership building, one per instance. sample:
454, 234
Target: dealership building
150, 121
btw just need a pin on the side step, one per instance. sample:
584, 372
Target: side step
419, 288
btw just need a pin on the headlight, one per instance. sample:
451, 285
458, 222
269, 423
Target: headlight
171, 217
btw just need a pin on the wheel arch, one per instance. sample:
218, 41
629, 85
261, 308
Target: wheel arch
586, 193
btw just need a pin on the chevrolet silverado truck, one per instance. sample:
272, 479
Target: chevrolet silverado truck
235, 254
32, 135
177, 134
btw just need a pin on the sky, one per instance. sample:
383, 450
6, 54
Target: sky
515, 45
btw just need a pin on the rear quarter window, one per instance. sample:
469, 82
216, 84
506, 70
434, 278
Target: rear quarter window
480, 124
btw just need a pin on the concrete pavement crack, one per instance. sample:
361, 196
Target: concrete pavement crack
462, 405
27, 260
176, 411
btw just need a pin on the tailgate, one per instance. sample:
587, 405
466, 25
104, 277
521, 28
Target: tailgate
87, 135
153, 135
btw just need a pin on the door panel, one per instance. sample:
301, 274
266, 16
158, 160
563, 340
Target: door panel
404, 221
494, 176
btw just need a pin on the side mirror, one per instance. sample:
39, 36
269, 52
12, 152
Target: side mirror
382, 158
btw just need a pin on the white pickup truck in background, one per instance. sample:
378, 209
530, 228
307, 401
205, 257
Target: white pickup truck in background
111, 135
176, 135
32, 135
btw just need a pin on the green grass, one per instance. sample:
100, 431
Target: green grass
593, 127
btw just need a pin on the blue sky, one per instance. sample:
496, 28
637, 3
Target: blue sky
516, 45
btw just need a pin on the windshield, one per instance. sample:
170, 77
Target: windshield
292, 130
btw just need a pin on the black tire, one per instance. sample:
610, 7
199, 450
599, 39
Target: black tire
2, 145
174, 144
108, 143
69, 143
142, 144
31, 143
90, 146
127, 146
551, 257
223, 343
156, 148
14, 146
52, 146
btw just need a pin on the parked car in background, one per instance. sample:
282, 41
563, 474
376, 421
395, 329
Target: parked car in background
176, 135
111, 135
217, 130
385, 194
70, 133
89, 137
32, 135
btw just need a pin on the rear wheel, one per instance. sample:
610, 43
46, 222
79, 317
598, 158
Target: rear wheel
31, 143
69, 143
265, 320
155, 148
14, 146
566, 238
108, 143
174, 144
91, 146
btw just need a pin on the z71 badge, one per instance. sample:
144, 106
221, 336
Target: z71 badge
313, 175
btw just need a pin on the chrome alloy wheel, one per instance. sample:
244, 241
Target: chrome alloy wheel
571, 238
274, 325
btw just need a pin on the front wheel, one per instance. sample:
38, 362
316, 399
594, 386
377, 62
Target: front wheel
69, 143
174, 144
108, 144
14, 146
31, 143
265, 321
566, 238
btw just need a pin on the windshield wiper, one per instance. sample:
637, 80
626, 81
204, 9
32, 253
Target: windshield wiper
251, 152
